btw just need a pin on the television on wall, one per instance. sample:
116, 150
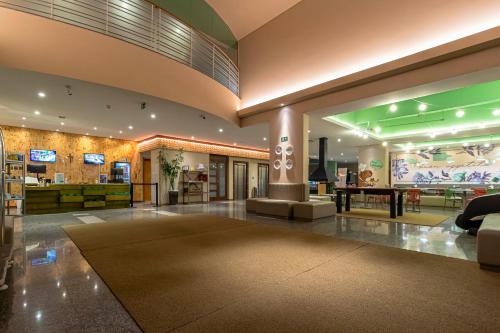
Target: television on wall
42, 155
97, 159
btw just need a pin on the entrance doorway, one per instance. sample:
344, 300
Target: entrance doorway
218, 177
146, 178
240, 180
263, 180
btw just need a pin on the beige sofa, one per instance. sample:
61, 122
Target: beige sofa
271, 207
312, 210
488, 242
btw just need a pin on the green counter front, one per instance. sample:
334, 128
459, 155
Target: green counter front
63, 198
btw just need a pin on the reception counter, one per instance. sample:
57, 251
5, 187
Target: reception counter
62, 198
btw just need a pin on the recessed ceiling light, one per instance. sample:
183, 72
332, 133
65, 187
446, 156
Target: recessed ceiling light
341, 154
487, 144
465, 144
192, 138
111, 137
221, 130
86, 133
422, 107
454, 131
95, 128
264, 138
282, 104
482, 125
496, 112
153, 116
431, 148
418, 151
130, 127
234, 144
393, 108
23, 125
23, 118
57, 129
460, 113
41, 94
62, 123
121, 132
308, 131
339, 140
365, 136
432, 135
378, 129
37, 112
384, 143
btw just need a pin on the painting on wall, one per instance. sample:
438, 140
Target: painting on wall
367, 176
477, 164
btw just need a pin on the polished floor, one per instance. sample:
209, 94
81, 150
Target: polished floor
52, 288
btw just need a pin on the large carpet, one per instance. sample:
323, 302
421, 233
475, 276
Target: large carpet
198, 273
383, 215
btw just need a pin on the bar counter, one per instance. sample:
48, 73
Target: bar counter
61, 198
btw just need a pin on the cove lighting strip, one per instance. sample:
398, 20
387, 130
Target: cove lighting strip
468, 141
423, 131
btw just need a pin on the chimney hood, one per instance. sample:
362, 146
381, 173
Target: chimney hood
321, 174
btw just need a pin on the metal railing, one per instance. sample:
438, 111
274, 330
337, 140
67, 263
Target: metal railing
141, 23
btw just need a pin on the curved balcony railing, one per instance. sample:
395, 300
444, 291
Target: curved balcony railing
141, 23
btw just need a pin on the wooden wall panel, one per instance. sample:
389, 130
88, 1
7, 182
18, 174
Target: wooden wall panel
70, 149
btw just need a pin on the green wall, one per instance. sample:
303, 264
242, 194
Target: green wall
201, 16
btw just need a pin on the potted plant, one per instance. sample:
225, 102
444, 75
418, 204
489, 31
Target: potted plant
170, 170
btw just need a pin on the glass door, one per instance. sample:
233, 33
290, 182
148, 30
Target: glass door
240, 180
263, 180
218, 178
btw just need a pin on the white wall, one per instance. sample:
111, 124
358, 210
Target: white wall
190, 158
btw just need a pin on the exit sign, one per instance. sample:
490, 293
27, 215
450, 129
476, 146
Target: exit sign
284, 139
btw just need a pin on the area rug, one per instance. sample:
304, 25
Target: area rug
198, 273
383, 215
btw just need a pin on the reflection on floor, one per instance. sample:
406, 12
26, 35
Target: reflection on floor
52, 288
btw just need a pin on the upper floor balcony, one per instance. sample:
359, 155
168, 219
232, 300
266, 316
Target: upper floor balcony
143, 24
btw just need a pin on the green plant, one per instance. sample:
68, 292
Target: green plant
170, 168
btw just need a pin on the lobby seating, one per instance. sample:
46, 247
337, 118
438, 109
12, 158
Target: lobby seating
272, 207
413, 198
251, 204
313, 210
476, 210
488, 242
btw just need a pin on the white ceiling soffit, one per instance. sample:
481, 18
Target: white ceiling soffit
86, 105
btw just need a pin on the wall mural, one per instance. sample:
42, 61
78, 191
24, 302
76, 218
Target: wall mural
477, 164
366, 175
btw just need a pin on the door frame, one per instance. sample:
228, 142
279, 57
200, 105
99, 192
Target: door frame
258, 177
246, 179
146, 188
220, 157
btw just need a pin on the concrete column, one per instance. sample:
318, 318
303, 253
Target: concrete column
373, 166
288, 127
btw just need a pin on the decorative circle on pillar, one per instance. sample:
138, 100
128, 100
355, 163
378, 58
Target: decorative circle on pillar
289, 164
289, 150
278, 150
277, 164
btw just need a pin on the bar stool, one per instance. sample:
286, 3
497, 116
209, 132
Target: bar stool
413, 197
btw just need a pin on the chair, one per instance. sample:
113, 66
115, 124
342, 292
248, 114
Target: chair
479, 191
413, 197
473, 214
449, 195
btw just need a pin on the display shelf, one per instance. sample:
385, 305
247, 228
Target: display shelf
194, 184
15, 168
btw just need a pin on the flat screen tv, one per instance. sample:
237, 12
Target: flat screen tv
42, 155
97, 159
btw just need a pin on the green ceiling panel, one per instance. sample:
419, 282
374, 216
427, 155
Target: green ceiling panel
478, 102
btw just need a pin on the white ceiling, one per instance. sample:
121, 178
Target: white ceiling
244, 17
86, 108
